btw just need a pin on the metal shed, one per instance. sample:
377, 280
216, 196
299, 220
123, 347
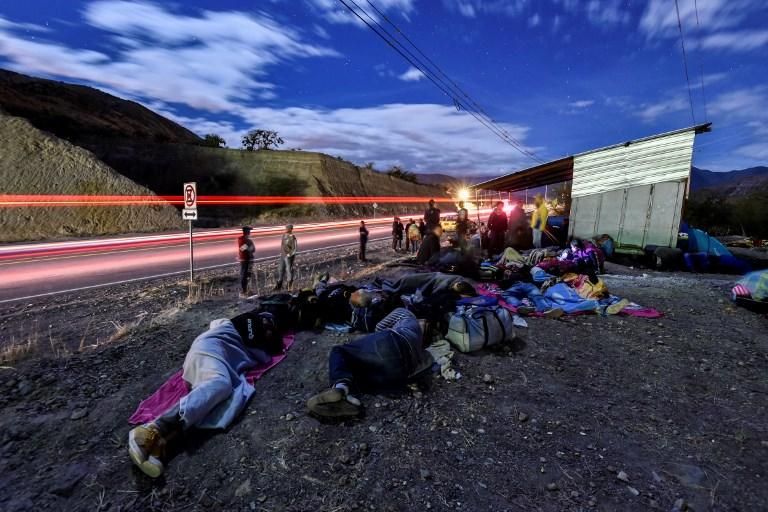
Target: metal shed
634, 191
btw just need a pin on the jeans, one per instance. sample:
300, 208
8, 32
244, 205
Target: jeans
363, 244
284, 270
537, 238
397, 242
519, 291
382, 361
246, 270
415, 244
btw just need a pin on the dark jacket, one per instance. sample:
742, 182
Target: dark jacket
497, 222
249, 252
397, 229
363, 234
432, 217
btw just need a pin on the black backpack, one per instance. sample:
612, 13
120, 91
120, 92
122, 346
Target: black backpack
258, 329
334, 303
308, 310
283, 308
364, 319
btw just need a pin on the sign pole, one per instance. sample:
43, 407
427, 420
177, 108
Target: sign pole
189, 213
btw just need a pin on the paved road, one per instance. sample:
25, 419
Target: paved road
34, 270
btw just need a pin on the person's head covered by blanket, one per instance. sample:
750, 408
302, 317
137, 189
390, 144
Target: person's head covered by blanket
382, 362
214, 373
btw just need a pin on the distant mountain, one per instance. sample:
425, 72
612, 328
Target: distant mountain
734, 182
454, 182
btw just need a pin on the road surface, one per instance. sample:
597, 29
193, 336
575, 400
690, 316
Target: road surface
37, 270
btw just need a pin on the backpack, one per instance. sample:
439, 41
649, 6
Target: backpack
334, 303
477, 327
283, 308
258, 330
308, 310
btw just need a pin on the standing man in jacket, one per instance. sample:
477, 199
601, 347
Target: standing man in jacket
408, 238
397, 235
363, 241
497, 227
539, 220
462, 225
246, 251
288, 248
432, 216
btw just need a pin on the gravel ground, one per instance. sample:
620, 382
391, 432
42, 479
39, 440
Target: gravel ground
585, 413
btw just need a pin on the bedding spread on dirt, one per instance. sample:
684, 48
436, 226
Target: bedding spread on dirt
584, 413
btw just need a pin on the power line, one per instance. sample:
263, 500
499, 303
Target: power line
441, 72
701, 66
449, 91
685, 61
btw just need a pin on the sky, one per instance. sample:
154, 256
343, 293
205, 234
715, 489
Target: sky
558, 76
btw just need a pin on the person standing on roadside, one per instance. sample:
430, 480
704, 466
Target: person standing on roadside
539, 219
497, 226
462, 225
246, 251
407, 237
397, 235
363, 241
414, 236
431, 216
288, 248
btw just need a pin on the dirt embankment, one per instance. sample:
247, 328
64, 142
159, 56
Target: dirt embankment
589, 413
35, 162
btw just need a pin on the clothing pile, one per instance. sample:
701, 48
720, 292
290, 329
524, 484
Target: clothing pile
751, 291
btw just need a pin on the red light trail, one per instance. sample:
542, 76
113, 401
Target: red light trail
37, 200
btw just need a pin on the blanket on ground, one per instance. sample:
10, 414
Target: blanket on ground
174, 389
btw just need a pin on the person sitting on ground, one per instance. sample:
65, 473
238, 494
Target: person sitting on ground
430, 246
214, 371
381, 362
585, 256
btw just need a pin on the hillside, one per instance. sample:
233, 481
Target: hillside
732, 183
74, 112
34, 162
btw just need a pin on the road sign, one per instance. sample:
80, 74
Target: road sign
375, 205
189, 214
190, 196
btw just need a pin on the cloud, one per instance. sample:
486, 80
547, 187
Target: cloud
335, 12
741, 103
650, 112
209, 61
742, 40
714, 29
412, 75
756, 151
599, 12
471, 8
581, 103
534, 20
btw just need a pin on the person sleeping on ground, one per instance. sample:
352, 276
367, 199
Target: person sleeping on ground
382, 362
214, 371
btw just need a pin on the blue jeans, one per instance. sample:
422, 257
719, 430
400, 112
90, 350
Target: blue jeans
382, 361
514, 295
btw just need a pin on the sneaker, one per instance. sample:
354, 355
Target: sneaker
554, 313
146, 447
334, 403
526, 310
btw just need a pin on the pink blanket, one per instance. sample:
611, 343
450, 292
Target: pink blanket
175, 389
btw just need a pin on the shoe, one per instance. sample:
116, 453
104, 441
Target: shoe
334, 403
146, 447
554, 313
525, 310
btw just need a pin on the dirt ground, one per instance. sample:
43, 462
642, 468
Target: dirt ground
586, 413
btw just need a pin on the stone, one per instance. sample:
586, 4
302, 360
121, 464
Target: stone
78, 414
425, 474
552, 486
680, 505
488, 379
522, 417
289, 417
632, 490
243, 489
622, 476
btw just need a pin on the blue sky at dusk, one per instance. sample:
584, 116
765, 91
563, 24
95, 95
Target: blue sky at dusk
561, 76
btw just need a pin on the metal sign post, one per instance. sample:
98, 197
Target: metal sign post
375, 205
189, 214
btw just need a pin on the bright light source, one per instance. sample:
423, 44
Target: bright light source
463, 194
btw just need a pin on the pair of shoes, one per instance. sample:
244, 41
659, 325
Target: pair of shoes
146, 447
334, 403
554, 313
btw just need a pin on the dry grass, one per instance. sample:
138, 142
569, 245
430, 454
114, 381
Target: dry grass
32, 343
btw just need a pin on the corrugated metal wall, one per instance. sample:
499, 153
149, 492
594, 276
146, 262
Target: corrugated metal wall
645, 162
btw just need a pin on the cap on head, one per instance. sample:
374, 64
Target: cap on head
431, 202
246, 229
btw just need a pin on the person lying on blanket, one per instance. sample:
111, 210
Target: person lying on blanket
384, 361
214, 371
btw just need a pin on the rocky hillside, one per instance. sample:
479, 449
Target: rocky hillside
736, 183
159, 155
34, 162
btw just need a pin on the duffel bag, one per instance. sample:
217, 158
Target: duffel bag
282, 306
364, 319
477, 327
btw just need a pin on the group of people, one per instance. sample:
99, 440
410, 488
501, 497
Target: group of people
246, 255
